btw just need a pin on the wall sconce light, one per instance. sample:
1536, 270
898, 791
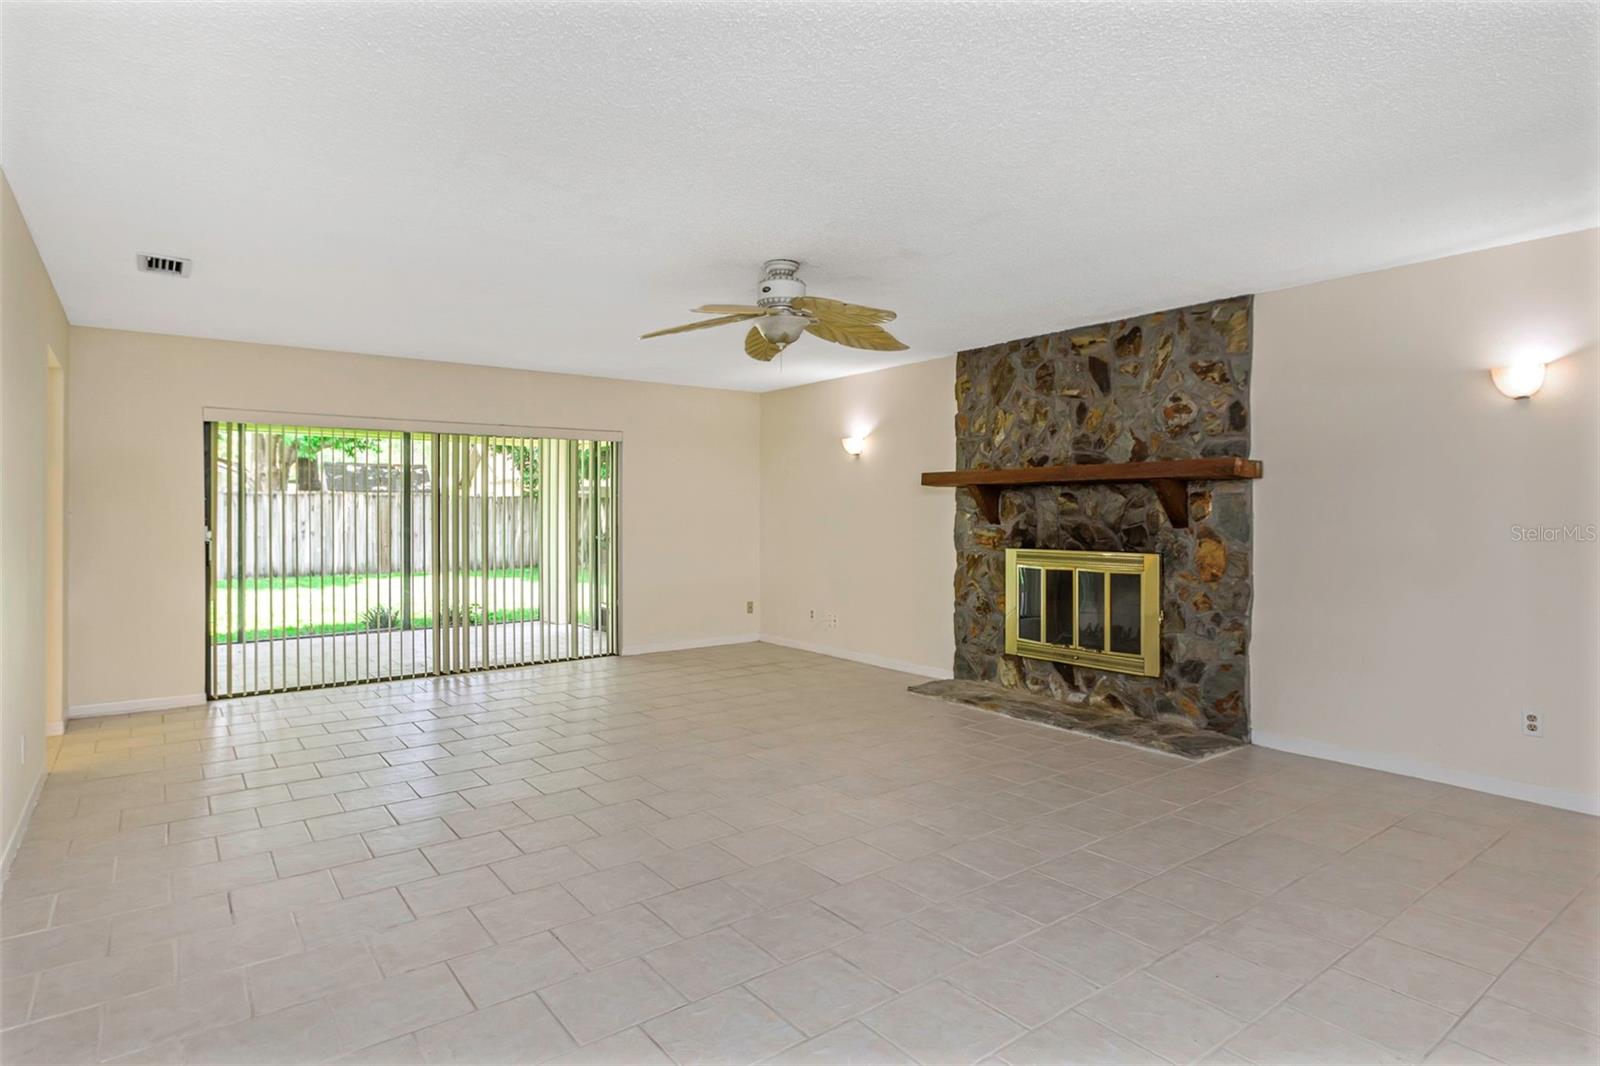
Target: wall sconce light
1519, 380
854, 445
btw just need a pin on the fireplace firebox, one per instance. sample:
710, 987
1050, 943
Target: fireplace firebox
1095, 609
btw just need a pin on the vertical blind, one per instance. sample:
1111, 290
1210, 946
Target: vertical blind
339, 556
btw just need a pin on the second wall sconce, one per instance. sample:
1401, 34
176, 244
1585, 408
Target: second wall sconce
1519, 380
854, 445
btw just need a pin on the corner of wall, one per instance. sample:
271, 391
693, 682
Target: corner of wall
20, 829
33, 325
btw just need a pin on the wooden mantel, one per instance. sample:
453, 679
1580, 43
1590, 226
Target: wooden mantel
1169, 477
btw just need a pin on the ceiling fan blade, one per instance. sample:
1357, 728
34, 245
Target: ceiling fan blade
729, 309
856, 335
758, 347
707, 324
827, 310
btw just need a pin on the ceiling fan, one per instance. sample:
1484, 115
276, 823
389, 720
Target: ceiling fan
783, 311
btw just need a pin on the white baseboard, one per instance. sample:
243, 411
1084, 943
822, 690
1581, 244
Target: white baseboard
54, 729
1401, 764
687, 645
21, 828
941, 673
156, 703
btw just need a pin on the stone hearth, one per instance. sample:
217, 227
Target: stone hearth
1168, 385
1171, 736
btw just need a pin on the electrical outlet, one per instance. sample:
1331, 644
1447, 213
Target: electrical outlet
812, 614
749, 606
1531, 725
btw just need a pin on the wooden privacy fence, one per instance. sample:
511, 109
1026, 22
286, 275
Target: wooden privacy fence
289, 534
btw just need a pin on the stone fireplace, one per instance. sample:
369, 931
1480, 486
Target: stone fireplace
1173, 385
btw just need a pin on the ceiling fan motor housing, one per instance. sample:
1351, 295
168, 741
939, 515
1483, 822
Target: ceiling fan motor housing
778, 283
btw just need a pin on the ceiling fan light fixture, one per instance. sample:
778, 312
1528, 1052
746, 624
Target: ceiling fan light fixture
782, 328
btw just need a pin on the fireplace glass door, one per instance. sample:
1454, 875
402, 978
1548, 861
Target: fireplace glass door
1097, 609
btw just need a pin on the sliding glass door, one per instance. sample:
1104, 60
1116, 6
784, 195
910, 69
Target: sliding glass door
338, 556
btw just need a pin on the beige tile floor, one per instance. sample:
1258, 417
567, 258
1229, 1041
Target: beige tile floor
753, 854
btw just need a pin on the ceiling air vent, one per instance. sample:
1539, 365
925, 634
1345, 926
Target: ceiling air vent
164, 264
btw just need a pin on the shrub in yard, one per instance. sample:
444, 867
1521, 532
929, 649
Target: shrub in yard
381, 617
455, 616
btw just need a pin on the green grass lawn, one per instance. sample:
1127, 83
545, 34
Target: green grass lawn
316, 605
344, 580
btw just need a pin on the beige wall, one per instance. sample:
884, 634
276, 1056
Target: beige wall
861, 538
32, 326
689, 512
1398, 621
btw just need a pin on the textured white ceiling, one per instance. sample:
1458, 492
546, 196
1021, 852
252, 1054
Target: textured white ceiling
534, 185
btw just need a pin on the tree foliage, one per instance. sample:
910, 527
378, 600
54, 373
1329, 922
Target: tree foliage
311, 445
526, 460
